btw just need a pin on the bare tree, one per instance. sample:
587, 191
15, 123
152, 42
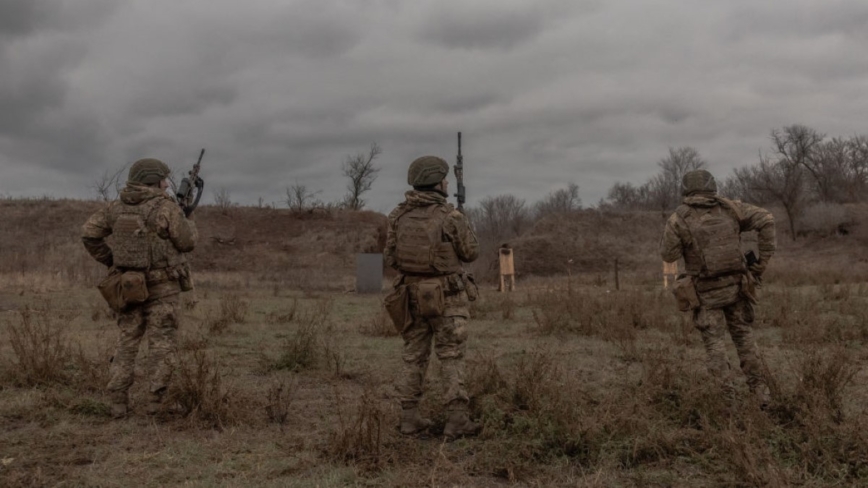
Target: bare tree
299, 197
663, 191
223, 199
108, 185
857, 171
782, 181
500, 217
362, 173
830, 166
560, 201
667, 186
798, 145
624, 196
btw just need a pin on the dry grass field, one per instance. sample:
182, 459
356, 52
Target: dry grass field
285, 378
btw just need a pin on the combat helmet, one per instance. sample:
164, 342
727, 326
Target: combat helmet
427, 171
698, 181
148, 171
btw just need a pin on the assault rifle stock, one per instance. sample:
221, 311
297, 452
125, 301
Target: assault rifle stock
186, 198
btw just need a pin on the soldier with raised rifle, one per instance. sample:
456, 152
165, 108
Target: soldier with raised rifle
148, 269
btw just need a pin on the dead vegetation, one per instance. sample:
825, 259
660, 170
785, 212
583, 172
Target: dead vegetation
576, 383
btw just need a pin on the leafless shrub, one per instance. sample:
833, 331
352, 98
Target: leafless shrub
358, 435
378, 325
233, 310
91, 369
302, 350
824, 219
41, 347
283, 315
279, 398
199, 389
223, 200
333, 353
299, 197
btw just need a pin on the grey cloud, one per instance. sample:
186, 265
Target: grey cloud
181, 99
21, 17
482, 30
544, 92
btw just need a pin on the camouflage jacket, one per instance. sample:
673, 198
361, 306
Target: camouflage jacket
168, 222
456, 229
677, 243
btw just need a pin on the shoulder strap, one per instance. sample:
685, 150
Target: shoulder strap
732, 207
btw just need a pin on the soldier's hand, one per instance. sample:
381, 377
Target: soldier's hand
757, 269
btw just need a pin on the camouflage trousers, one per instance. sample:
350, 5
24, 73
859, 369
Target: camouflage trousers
159, 318
738, 319
449, 336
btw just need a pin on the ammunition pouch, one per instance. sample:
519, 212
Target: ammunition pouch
124, 289
397, 305
470, 287
686, 297
428, 297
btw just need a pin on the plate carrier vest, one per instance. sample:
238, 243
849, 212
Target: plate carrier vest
715, 233
420, 246
136, 244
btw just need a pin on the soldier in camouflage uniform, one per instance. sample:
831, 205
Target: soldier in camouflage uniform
149, 234
705, 230
427, 241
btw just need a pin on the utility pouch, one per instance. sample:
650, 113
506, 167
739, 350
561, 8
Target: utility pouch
134, 288
430, 299
185, 280
397, 305
470, 287
110, 289
685, 294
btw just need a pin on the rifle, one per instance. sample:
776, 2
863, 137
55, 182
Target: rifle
185, 194
461, 192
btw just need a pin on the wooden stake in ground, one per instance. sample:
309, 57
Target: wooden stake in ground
670, 272
507, 268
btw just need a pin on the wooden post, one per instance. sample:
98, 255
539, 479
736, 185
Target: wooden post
507, 268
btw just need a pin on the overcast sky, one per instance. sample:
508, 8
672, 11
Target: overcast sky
545, 92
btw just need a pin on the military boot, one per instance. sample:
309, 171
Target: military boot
412, 422
155, 403
459, 424
119, 408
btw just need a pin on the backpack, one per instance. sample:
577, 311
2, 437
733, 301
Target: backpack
715, 234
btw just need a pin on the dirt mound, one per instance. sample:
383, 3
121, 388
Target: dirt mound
592, 240
41, 235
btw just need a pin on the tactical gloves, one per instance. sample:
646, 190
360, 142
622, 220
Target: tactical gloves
757, 269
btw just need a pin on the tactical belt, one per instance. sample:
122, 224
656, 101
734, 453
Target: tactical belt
157, 276
409, 279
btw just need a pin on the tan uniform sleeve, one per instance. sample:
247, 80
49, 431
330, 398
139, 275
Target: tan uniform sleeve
391, 240
93, 235
174, 226
763, 222
671, 245
463, 238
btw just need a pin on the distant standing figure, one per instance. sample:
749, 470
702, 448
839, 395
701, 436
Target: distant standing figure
150, 235
427, 242
705, 230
